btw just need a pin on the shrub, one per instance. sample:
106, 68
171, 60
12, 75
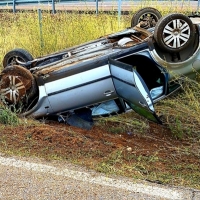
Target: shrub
7, 116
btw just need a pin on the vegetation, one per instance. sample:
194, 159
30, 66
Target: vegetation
182, 111
8, 117
56, 32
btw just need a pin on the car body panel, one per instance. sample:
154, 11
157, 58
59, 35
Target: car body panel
177, 69
82, 89
42, 108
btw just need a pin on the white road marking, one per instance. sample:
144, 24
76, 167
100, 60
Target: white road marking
101, 180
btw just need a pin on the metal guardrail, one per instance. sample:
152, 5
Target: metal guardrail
25, 2
13, 3
17, 2
8, 3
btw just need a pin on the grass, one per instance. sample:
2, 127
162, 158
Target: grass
146, 167
58, 31
124, 123
8, 117
181, 113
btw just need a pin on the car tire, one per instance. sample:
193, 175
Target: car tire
11, 57
146, 17
17, 84
171, 38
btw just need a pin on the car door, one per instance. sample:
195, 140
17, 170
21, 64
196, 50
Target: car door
130, 86
68, 91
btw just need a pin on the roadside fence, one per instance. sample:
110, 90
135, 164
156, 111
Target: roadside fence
5, 4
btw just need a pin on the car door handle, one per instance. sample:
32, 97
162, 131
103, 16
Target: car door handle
142, 104
108, 92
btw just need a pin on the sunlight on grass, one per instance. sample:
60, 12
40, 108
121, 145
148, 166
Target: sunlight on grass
59, 31
181, 112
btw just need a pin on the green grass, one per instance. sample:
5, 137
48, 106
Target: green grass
181, 112
58, 31
121, 123
143, 167
8, 117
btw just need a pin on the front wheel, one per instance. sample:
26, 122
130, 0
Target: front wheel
174, 32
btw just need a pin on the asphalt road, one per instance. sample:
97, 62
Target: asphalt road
34, 179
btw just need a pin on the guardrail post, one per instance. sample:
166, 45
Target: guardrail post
119, 11
14, 10
40, 27
53, 7
97, 7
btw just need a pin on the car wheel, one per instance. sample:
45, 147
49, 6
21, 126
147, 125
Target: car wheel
16, 85
15, 55
146, 17
174, 32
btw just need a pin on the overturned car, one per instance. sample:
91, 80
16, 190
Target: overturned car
131, 69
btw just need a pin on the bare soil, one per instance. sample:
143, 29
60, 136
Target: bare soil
154, 155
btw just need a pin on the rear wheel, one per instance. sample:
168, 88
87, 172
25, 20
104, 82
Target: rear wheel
17, 85
15, 55
146, 17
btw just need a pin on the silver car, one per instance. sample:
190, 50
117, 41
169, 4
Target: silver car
131, 69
